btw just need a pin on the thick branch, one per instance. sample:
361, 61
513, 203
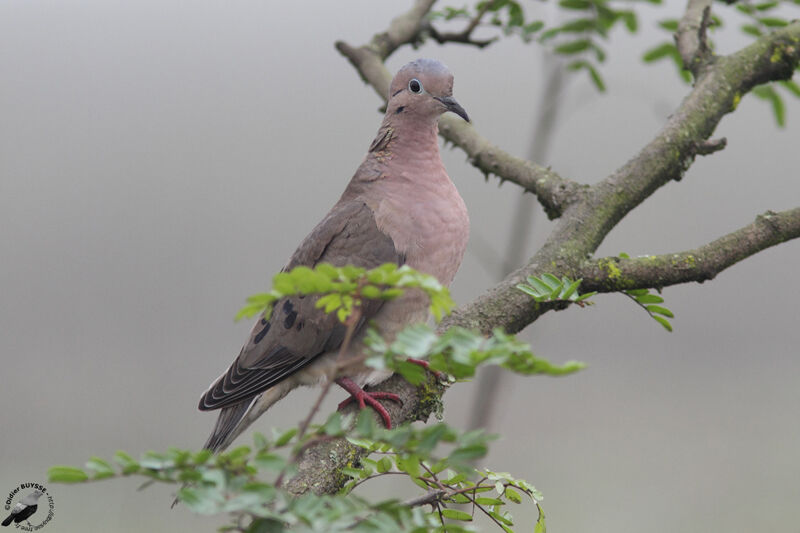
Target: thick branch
691, 36
585, 224
615, 274
585, 220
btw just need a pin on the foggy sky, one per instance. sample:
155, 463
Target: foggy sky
159, 161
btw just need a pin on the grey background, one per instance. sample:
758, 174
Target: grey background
159, 161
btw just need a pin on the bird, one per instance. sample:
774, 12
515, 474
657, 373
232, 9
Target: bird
24, 508
399, 207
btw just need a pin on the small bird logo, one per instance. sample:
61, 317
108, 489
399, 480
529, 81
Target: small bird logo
24, 508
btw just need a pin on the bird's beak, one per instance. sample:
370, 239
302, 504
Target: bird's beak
451, 105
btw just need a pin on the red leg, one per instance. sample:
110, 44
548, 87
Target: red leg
365, 398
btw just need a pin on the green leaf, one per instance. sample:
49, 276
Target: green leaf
513, 495
365, 425
669, 24
333, 426
575, 4
660, 310
129, 464
629, 18
270, 461
773, 22
751, 29
791, 86
573, 47
384, 465
285, 437
764, 6
659, 52
489, 501
455, 514
539, 285
202, 456
66, 474
468, 453
579, 25
102, 468
649, 299
766, 92
596, 78
571, 289
551, 281
663, 321
540, 524
585, 296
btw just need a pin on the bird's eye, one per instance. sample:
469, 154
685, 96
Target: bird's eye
415, 86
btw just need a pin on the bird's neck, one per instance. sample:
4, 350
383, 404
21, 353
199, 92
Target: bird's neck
406, 139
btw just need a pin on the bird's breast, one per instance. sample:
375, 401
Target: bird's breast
428, 223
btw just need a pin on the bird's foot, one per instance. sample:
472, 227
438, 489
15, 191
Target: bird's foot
365, 398
426, 365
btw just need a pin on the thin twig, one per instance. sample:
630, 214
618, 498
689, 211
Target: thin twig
465, 36
352, 322
691, 38
710, 146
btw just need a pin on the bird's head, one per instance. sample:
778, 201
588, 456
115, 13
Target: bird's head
423, 89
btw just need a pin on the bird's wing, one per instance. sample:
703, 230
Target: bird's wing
297, 331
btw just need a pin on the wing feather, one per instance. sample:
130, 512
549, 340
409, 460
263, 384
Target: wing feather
297, 331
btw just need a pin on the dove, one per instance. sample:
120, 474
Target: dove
399, 207
24, 508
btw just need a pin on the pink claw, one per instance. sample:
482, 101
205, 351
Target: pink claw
365, 398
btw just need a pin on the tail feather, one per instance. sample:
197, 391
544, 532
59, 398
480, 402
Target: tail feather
227, 422
233, 420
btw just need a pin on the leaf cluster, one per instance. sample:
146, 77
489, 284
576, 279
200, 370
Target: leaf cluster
579, 38
245, 481
548, 288
341, 289
458, 352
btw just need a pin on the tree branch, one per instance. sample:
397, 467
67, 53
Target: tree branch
585, 224
554, 192
691, 36
588, 214
612, 274
319, 468
465, 36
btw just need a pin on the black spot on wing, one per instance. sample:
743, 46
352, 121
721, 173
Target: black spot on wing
289, 320
260, 335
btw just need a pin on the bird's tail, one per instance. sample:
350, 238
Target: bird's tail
233, 420
227, 422
8, 520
